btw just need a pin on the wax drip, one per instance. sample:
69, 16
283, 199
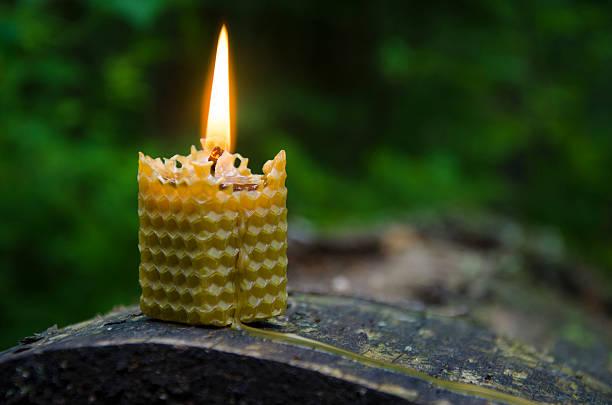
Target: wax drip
239, 264
455, 386
236, 183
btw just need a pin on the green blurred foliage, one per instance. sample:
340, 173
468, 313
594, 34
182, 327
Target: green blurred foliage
384, 108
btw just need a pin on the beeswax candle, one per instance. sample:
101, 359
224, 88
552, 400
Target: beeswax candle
213, 237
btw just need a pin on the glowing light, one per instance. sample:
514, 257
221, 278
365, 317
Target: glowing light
218, 124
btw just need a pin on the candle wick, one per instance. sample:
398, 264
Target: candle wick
215, 154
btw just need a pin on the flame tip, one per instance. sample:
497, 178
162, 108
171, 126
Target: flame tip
217, 132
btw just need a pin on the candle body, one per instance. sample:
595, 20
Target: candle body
211, 251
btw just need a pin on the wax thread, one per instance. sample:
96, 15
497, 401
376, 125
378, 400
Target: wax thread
455, 386
238, 269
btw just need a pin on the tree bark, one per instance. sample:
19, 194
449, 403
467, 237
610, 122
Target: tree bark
402, 355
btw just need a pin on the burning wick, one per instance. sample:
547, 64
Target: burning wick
216, 130
215, 154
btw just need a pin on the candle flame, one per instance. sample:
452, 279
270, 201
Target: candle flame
216, 130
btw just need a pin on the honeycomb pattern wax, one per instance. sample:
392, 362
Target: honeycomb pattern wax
213, 244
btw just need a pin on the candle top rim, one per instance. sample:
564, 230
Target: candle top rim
197, 165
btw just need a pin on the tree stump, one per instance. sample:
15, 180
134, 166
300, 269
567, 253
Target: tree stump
368, 352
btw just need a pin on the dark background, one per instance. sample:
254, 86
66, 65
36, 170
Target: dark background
386, 109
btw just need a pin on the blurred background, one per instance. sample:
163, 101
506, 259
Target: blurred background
442, 119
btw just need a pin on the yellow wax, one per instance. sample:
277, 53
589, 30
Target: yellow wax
210, 254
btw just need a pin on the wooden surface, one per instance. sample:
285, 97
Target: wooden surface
402, 355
